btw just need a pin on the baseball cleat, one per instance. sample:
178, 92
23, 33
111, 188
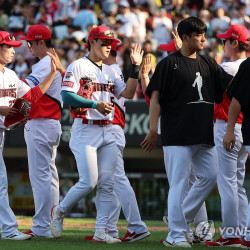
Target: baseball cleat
88, 237
229, 242
245, 244
103, 237
178, 244
29, 232
165, 220
56, 225
198, 240
17, 236
128, 237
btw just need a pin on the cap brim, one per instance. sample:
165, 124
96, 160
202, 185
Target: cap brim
12, 43
25, 38
106, 37
168, 47
222, 36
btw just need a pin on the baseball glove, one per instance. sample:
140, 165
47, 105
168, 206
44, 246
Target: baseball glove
13, 122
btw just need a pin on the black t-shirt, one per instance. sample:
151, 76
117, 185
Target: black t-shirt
240, 90
188, 88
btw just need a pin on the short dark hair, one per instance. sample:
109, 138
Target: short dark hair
242, 46
48, 43
89, 46
191, 24
113, 53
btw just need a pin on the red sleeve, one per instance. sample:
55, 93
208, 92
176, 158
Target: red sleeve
147, 99
33, 95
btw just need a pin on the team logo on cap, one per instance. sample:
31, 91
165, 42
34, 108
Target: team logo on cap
236, 36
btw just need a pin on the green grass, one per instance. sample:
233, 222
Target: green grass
73, 237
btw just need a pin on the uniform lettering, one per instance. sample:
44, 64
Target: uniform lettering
8, 92
68, 84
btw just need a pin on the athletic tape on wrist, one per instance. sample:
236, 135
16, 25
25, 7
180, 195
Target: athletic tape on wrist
134, 71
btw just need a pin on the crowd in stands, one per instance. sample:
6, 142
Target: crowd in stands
149, 22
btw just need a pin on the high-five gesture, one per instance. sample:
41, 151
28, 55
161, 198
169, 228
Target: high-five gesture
136, 54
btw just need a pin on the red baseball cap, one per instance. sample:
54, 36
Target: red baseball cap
170, 47
102, 32
37, 32
6, 38
237, 32
114, 45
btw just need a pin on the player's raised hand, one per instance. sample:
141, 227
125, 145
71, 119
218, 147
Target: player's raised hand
150, 141
54, 56
104, 107
53, 67
229, 141
177, 39
136, 54
146, 66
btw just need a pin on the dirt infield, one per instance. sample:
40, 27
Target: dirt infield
28, 223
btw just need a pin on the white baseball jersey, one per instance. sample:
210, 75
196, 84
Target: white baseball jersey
232, 67
10, 89
89, 81
119, 117
49, 106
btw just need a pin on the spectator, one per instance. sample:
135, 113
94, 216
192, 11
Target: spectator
128, 19
85, 17
4, 20
162, 26
42, 17
221, 22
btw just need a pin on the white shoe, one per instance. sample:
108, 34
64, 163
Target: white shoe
56, 225
178, 244
103, 237
189, 238
17, 236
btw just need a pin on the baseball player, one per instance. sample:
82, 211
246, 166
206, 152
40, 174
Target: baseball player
201, 216
86, 82
123, 195
186, 125
42, 132
231, 175
10, 89
239, 90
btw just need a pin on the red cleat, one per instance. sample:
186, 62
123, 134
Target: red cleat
88, 237
128, 237
229, 242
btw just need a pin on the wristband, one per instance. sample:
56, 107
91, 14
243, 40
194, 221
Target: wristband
144, 77
134, 71
94, 105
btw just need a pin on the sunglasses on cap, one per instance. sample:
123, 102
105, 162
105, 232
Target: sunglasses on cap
8, 38
105, 33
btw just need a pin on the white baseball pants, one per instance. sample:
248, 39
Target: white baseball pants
247, 236
234, 202
123, 195
179, 160
95, 152
8, 221
42, 137
201, 216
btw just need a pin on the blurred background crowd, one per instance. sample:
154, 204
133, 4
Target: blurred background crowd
149, 22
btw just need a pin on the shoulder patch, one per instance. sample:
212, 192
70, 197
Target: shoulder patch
33, 79
68, 75
68, 84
